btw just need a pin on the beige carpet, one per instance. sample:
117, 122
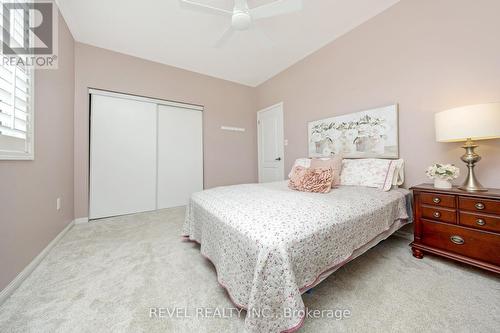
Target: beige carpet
105, 276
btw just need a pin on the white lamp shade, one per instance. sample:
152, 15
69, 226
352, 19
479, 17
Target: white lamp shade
477, 122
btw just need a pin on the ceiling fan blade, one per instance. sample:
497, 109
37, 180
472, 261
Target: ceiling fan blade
278, 7
225, 37
202, 8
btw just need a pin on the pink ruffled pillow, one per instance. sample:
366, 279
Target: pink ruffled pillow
334, 163
317, 180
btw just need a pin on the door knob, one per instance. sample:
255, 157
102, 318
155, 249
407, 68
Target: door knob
278, 159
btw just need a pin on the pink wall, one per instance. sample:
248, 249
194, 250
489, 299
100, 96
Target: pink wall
426, 55
230, 157
29, 220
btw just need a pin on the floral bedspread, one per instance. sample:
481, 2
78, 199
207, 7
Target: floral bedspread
269, 243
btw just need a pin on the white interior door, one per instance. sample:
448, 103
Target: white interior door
271, 150
180, 155
122, 156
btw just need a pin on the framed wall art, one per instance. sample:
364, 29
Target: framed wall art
365, 134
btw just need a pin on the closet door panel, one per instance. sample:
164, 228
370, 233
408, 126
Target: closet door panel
180, 155
123, 156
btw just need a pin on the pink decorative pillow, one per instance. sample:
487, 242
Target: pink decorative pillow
303, 162
317, 180
334, 163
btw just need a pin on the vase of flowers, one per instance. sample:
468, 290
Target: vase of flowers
442, 174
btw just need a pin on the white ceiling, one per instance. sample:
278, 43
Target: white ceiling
162, 31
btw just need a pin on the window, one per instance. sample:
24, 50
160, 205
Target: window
16, 101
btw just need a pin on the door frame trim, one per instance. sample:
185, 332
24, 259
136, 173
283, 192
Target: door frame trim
280, 105
158, 101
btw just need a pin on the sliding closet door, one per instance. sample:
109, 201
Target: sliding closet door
122, 156
180, 155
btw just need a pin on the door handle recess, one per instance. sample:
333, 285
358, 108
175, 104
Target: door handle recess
278, 159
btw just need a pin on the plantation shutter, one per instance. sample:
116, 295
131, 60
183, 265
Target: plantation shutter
15, 95
16, 91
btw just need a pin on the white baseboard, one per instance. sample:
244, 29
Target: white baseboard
81, 220
14, 284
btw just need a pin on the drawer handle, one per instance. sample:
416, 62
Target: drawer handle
437, 214
436, 200
480, 222
479, 206
457, 240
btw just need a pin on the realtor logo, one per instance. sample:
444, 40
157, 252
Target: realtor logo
29, 35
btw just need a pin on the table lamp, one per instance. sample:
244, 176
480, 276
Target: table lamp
468, 123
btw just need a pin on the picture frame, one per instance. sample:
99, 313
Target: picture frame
370, 133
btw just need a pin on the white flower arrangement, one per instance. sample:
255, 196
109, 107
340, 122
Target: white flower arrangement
366, 134
442, 171
364, 127
317, 137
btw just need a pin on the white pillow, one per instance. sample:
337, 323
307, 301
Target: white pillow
370, 172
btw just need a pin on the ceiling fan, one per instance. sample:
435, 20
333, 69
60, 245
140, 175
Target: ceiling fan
242, 17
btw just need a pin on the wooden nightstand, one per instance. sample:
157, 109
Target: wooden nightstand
459, 225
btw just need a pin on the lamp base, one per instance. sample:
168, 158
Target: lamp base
471, 183
473, 189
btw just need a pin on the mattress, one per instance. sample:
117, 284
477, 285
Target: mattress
270, 244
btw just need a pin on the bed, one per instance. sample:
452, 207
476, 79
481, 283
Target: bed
270, 244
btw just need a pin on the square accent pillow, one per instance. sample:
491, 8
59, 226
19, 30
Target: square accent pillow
334, 163
318, 180
303, 162
370, 172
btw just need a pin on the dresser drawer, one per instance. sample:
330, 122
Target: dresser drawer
480, 245
439, 214
441, 200
479, 205
480, 221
